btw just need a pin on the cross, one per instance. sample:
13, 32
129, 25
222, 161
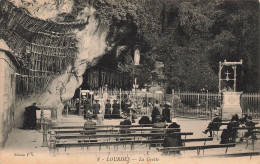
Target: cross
227, 75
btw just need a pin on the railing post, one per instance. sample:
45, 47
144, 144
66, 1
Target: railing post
173, 110
42, 121
45, 133
120, 99
52, 142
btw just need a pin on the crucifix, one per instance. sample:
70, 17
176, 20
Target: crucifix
227, 77
234, 66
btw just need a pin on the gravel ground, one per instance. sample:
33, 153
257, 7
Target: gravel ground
26, 145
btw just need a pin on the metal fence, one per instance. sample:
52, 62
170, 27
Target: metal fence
204, 104
142, 101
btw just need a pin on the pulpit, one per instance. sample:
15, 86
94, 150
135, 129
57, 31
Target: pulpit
231, 105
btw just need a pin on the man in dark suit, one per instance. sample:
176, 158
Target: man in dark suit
30, 116
116, 110
96, 108
166, 112
108, 109
155, 111
212, 126
87, 107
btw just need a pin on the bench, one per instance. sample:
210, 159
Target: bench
103, 126
110, 143
88, 143
244, 154
167, 150
81, 131
119, 135
107, 143
250, 137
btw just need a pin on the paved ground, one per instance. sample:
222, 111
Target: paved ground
26, 145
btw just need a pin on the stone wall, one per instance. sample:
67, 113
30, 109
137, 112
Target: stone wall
7, 96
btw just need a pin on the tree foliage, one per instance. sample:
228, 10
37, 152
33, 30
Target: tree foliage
189, 37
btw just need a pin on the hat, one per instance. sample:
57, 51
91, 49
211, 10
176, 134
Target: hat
108, 99
174, 120
97, 100
216, 114
168, 104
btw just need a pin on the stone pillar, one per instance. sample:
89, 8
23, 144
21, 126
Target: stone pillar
231, 105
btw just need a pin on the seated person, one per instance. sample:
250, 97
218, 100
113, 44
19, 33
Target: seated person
230, 133
159, 123
244, 119
89, 124
144, 120
250, 123
125, 122
213, 127
174, 124
173, 139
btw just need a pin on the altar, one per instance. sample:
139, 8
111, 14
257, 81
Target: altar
231, 98
231, 105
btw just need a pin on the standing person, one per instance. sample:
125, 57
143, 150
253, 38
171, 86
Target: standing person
212, 126
100, 118
30, 116
77, 106
166, 113
96, 107
87, 107
127, 107
123, 103
116, 109
155, 111
108, 111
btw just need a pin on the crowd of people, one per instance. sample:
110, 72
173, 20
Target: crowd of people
112, 109
230, 133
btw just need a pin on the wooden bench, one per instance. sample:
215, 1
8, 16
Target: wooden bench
103, 126
114, 143
89, 143
252, 137
115, 130
109, 136
198, 148
244, 154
